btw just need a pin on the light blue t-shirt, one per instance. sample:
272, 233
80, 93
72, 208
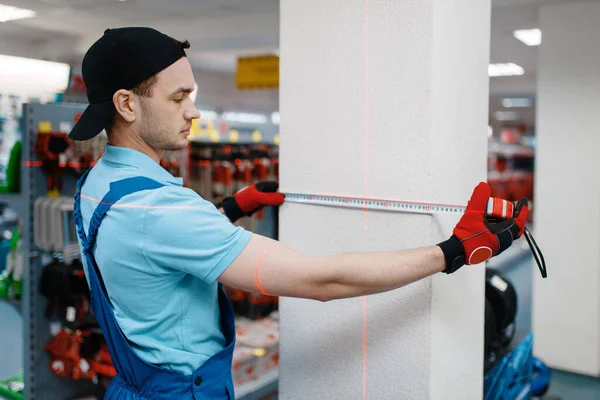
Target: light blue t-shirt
160, 252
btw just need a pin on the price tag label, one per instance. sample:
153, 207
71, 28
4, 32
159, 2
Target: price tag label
71, 313
44, 127
214, 136
65, 126
276, 139
256, 136
234, 136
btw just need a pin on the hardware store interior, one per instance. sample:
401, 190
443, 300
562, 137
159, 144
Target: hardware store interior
379, 104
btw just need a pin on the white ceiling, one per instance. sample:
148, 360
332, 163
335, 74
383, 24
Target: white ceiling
224, 29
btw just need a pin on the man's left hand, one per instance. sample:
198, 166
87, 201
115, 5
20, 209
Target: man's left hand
251, 199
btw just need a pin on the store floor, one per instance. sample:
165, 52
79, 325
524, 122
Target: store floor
563, 385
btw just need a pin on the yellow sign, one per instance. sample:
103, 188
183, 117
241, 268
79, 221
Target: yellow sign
256, 136
195, 129
214, 136
234, 136
259, 72
276, 139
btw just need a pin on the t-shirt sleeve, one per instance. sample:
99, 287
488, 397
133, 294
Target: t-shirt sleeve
184, 232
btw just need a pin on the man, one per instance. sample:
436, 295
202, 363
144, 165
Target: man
155, 253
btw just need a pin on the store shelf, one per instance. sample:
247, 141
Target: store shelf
205, 140
266, 384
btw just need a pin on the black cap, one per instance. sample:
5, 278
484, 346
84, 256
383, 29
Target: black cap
121, 59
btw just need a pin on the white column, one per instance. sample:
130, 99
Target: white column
566, 305
385, 99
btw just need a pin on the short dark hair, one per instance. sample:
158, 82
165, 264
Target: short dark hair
144, 89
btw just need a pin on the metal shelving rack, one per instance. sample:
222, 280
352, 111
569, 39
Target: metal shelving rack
40, 382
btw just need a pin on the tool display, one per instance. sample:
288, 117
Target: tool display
53, 228
496, 209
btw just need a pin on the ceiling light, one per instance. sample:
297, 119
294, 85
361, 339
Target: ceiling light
33, 75
517, 103
531, 37
505, 69
10, 13
506, 115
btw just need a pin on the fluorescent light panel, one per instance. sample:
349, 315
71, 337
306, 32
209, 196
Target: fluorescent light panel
531, 37
10, 13
505, 69
31, 74
517, 103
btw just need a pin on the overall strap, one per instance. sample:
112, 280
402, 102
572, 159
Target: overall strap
118, 190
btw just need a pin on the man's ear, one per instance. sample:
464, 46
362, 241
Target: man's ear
125, 104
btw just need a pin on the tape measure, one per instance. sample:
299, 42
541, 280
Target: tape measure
496, 207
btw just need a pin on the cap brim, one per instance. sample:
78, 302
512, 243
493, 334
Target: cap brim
94, 119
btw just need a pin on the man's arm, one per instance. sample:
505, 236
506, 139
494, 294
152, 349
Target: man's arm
269, 266
283, 271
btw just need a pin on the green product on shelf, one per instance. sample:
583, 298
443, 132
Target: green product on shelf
5, 283
13, 387
17, 250
11, 280
13, 170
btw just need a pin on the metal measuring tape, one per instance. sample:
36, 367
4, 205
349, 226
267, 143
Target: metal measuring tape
495, 207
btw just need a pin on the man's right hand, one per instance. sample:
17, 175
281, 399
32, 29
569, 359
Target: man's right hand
477, 238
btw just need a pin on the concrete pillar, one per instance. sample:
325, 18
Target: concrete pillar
385, 99
566, 305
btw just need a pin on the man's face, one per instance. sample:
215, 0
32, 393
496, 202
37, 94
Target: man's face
167, 115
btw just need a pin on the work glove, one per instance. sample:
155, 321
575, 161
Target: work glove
479, 236
251, 199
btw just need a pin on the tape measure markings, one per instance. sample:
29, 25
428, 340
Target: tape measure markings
373, 203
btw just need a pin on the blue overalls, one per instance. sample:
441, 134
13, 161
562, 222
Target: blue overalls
137, 379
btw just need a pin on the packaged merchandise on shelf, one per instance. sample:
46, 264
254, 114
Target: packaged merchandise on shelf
11, 279
511, 160
243, 365
12, 183
257, 348
80, 354
13, 387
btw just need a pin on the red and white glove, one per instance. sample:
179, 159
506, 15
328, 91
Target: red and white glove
251, 199
478, 237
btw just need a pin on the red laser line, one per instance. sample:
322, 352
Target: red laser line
257, 273
128, 205
364, 369
32, 163
366, 178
